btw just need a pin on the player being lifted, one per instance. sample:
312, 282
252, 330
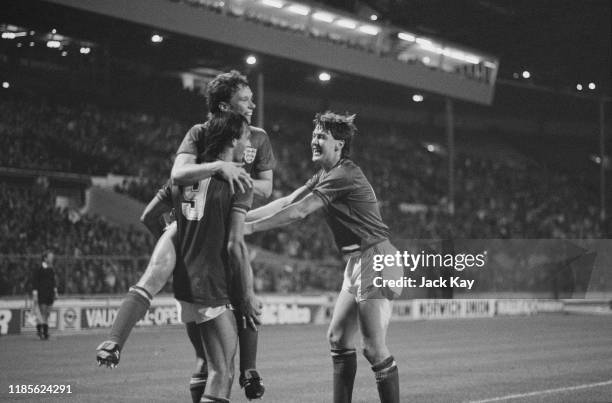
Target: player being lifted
343, 192
227, 92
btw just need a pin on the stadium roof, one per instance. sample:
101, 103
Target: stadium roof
561, 42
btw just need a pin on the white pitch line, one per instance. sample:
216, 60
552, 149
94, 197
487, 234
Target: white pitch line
543, 392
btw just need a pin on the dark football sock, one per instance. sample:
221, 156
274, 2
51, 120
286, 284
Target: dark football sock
248, 348
39, 329
45, 330
387, 380
197, 384
132, 309
345, 367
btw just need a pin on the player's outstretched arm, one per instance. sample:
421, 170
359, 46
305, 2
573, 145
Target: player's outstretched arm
277, 205
250, 306
288, 214
186, 171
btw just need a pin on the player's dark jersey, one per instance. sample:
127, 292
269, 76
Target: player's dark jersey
43, 281
257, 158
203, 213
350, 204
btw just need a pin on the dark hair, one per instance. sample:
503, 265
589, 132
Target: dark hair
340, 126
222, 128
222, 88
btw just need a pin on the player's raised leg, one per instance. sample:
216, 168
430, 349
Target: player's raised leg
374, 317
161, 264
341, 335
138, 299
220, 337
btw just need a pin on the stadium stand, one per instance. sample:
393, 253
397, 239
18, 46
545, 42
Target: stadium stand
410, 182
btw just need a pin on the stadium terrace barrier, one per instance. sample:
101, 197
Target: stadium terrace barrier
418, 309
427, 309
83, 314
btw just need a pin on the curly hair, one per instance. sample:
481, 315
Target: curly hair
222, 128
222, 88
341, 127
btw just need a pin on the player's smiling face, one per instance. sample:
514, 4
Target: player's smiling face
325, 149
242, 102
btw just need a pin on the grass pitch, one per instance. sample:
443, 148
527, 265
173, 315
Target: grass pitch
545, 358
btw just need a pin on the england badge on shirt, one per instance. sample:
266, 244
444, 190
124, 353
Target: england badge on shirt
249, 155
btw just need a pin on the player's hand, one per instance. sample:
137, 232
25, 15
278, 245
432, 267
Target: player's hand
234, 174
251, 311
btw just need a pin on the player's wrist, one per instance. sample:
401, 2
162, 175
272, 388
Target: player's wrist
247, 298
216, 166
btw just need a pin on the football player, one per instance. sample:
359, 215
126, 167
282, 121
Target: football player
343, 192
212, 270
227, 92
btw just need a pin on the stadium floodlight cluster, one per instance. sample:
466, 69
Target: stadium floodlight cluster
592, 86
51, 40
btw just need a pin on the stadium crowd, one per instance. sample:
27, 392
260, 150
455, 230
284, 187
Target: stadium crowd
409, 180
31, 223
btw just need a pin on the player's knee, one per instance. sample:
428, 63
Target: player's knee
156, 275
336, 338
148, 285
374, 351
216, 374
162, 264
224, 368
369, 353
221, 374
